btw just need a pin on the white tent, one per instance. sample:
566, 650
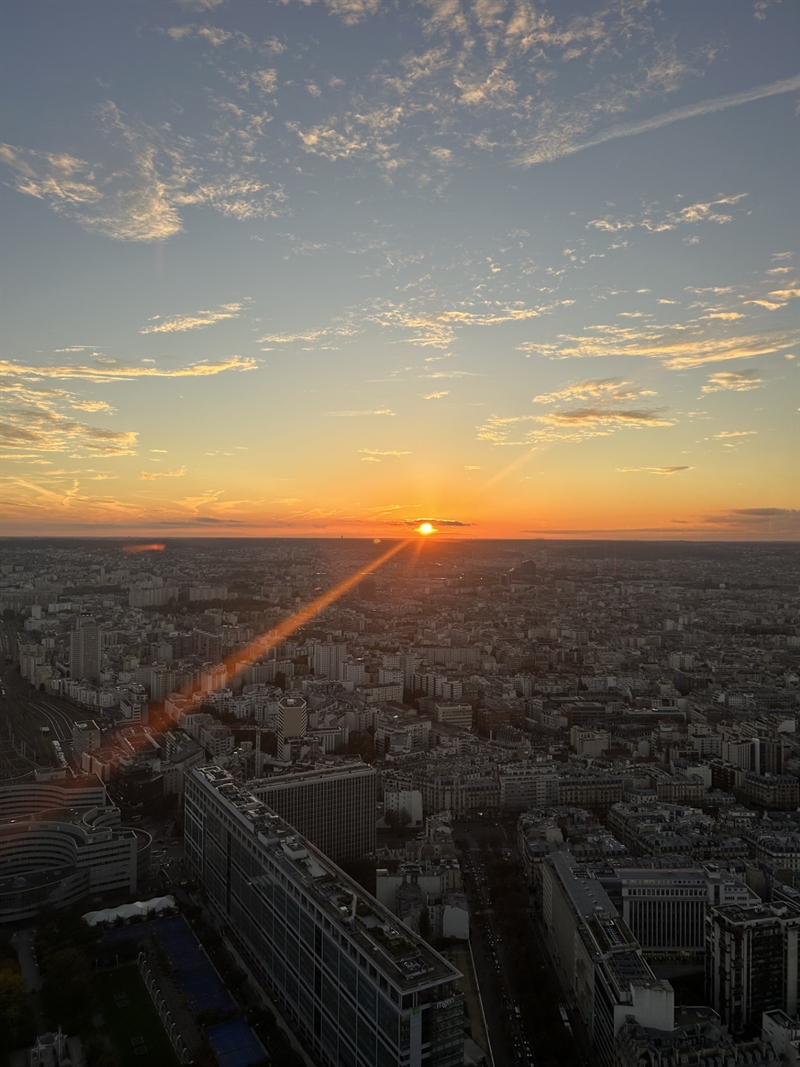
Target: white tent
140, 909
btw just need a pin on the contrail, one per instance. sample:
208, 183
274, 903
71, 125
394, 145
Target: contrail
690, 111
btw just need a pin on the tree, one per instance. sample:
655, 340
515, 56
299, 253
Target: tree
425, 923
15, 1023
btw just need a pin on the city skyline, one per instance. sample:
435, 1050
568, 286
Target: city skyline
342, 268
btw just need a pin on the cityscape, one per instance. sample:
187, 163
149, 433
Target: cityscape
399, 533
494, 802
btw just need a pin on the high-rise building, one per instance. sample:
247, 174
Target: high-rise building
358, 988
752, 961
333, 806
292, 717
328, 659
84, 649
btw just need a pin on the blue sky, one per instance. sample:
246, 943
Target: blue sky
334, 267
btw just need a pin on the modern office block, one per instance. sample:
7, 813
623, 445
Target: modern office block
59, 858
752, 962
665, 908
85, 649
334, 807
359, 988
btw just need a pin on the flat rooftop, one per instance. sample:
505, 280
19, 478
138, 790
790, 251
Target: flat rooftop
403, 957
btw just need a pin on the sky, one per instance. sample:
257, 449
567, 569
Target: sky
337, 267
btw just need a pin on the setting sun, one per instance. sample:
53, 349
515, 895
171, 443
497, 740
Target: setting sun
426, 528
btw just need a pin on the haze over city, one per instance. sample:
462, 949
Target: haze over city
340, 268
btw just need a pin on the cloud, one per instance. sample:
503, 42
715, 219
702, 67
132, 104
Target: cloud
653, 470
212, 34
574, 425
197, 321
148, 176
664, 221
594, 388
438, 329
383, 452
352, 11
201, 5
436, 396
774, 522
357, 414
786, 294
93, 405
317, 338
547, 149
197, 520
732, 381
42, 428
677, 345
109, 370
604, 417
434, 522
150, 476
734, 433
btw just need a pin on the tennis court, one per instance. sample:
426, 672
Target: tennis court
235, 1044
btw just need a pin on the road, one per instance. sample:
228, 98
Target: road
508, 1036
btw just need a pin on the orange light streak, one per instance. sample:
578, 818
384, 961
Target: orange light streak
264, 643
154, 547
259, 646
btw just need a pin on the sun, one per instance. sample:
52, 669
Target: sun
426, 528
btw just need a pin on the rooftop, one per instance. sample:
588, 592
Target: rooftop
403, 957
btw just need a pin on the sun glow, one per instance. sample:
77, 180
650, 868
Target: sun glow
426, 528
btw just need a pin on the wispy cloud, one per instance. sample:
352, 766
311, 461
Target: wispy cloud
770, 521
383, 452
575, 425
436, 396
197, 321
595, 389
150, 476
723, 434
358, 414
660, 220
732, 381
434, 522
147, 178
321, 337
544, 151
679, 346
653, 470
108, 370
212, 35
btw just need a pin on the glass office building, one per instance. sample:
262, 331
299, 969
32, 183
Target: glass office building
358, 987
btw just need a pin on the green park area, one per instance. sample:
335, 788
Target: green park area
126, 1021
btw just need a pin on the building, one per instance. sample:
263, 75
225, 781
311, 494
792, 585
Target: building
292, 717
698, 1040
598, 958
328, 660
666, 908
356, 986
332, 805
752, 962
62, 857
455, 714
781, 791
85, 649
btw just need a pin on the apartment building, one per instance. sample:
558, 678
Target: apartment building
333, 806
